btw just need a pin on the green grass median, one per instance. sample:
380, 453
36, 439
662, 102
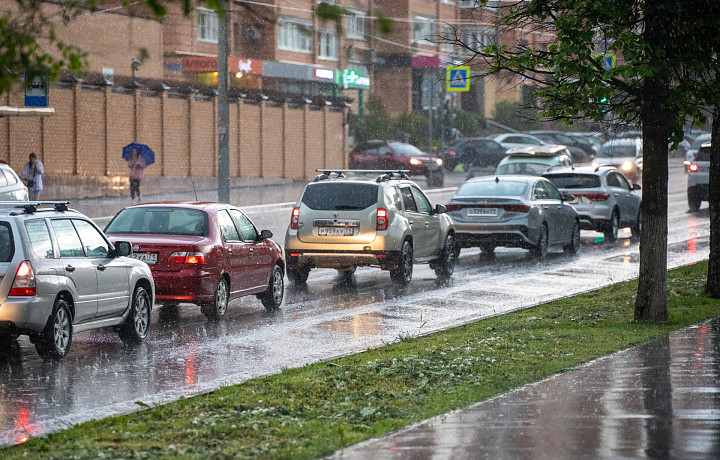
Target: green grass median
314, 410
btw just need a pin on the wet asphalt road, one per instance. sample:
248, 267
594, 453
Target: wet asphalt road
331, 316
659, 400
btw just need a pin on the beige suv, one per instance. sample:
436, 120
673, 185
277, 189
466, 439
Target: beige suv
386, 221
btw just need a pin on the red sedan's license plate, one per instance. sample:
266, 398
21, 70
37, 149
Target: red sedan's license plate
147, 257
335, 231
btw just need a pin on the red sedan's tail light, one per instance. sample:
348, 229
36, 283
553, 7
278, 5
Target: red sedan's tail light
693, 167
294, 219
24, 283
187, 258
382, 219
452, 153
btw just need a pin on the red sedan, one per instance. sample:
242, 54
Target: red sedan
202, 253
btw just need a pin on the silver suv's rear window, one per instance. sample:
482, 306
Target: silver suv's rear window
7, 244
340, 196
574, 180
703, 154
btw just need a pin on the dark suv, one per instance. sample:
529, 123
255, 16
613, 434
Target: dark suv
388, 155
487, 152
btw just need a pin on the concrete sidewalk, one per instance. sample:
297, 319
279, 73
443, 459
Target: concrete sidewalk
659, 400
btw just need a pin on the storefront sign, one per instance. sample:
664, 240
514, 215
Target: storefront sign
324, 74
352, 79
209, 64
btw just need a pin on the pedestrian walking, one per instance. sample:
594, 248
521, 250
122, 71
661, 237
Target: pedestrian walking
139, 156
32, 173
469, 157
137, 165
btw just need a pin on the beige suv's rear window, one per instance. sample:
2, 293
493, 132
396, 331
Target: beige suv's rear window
340, 196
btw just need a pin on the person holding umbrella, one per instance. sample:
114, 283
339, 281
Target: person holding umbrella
138, 156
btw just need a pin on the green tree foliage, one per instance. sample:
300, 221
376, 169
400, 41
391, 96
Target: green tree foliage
516, 115
653, 84
469, 124
375, 124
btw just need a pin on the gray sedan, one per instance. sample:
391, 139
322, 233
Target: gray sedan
514, 211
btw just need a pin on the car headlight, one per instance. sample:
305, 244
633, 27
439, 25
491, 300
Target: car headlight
439, 161
594, 164
415, 161
627, 166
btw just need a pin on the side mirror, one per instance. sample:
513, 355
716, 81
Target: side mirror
636, 187
568, 197
440, 209
122, 249
265, 234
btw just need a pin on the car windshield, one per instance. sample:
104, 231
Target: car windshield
703, 154
525, 168
574, 180
699, 141
617, 150
160, 221
407, 149
7, 245
491, 188
340, 196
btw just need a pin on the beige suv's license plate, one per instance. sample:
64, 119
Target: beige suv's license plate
335, 231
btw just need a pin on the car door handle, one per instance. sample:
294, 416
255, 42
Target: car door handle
101, 267
617, 194
411, 222
546, 206
252, 249
229, 250
69, 268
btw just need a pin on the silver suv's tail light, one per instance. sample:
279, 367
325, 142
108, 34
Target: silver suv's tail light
294, 219
24, 283
382, 219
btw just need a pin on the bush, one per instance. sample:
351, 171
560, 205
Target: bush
516, 115
376, 123
469, 124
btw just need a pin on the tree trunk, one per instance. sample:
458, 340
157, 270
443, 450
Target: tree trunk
651, 301
712, 287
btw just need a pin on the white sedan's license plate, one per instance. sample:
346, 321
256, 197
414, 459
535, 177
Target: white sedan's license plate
482, 212
335, 231
147, 257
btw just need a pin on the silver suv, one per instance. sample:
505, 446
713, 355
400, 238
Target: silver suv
386, 222
699, 177
59, 275
604, 200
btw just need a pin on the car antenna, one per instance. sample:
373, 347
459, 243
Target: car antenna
196, 198
497, 179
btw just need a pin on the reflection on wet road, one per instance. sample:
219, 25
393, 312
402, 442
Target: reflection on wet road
639, 403
333, 315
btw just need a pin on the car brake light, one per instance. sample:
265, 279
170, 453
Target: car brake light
693, 167
187, 258
382, 220
24, 283
295, 219
452, 153
516, 207
596, 196
453, 207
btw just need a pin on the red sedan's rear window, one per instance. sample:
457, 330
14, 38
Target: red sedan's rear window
160, 221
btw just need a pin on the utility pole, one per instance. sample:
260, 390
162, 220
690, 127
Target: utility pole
223, 109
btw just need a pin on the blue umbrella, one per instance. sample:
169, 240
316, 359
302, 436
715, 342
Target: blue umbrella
143, 150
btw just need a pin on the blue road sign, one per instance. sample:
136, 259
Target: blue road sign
458, 78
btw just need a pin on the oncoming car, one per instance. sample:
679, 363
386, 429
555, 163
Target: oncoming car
61, 276
533, 161
625, 154
513, 211
386, 222
203, 253
699, 177
386, 155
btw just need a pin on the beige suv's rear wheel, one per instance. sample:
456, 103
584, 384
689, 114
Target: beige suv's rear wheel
402, 275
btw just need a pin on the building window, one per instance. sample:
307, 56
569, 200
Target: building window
207, 25
449, 2
424, 29
328, 44
295, 35
355, 25
478, 38
447, 39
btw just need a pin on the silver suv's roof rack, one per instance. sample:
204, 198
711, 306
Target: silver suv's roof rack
30, 207
383, 173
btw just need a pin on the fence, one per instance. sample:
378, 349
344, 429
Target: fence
84, 139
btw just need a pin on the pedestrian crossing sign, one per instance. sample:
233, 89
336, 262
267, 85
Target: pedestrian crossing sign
458, 78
